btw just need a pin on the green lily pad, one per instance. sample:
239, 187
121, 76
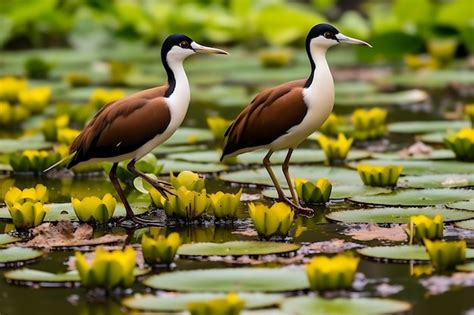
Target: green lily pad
381, 99
299, 156
185, 135
170, 149
16, 145
178, 302
395, 215
437, 181
338, 192
178, 166
463, 205
419, 197
18, 255
468, 225
337, 176
64, 211
306, 305
236, 248
402, 253
432, 79
433, 137
231, 280
469, 267
26, 276
441, 154
424, 167
418, 127
7, 239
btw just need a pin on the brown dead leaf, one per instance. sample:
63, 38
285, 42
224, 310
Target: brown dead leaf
369, 232
327, 247
246, 232
68, 234
418, 148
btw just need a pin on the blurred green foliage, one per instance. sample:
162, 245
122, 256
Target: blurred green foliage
393, 27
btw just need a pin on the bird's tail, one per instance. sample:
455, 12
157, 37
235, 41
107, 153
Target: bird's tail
63, 161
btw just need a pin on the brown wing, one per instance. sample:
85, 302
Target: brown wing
270, 114
123, 126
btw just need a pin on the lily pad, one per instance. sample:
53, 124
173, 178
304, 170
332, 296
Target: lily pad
424, 167
170, 149
469, 267
231, 280
381, 99
412, 197
187, 135
418, 127
178, 302
433, 137
395, 215
337, 176
433, 79
306, 305
16, 145
468, 225
437, 181
463, 205
441, 154
18, 255
338, 192
178, 166
299, 156
7, 239
26, 276
64, 211
237, 248
402, 253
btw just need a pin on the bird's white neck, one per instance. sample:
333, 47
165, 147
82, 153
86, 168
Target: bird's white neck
180, 93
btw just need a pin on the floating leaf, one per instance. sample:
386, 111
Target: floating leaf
395, 215
469, 267
380, 99
17, 145
468, 225
424, 167
170, 149
236, 248
178, 166
437, 181
338, 192
178, 302
185, 135
417, 127
441, 154
433, 79
402, 253
433, 137
7, 239
16, 255
343, 306
463, 205
231, 280
421, 197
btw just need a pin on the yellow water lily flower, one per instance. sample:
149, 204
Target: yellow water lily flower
445, 255
225, 205
10, 88
276, 220
188, 179
332, 273
27, 214
218, 126
12, 115
421, 270
275, 57
33, 160
67, 135
379, 175
101, 97
94, 209
462, 144
421, 61
231, 304
318, 192
369, 124
37, 194
52, 125
335, 149
331, 126
186, 204
108, 269
35, 99
469, 112
160, 249
423, 227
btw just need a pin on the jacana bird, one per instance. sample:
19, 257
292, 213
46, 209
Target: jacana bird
131, 127
283, 116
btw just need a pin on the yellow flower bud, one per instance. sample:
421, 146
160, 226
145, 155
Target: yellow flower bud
462, 144
188, 179
380, 176
335, 149
423, 227
225, 205
218, 126
160, 249
318, 192
187, 204
229, 305
331, 273
37, 194
27, 214
445, 255
35, 99
94, 209
276, 220
101, 97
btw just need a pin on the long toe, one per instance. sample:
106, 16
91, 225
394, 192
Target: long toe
307, 212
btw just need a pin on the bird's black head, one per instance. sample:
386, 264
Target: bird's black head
178, 43
325, 35
324, 30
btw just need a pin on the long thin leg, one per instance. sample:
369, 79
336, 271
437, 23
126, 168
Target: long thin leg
285, 167
118, 188
268, 166
155, 183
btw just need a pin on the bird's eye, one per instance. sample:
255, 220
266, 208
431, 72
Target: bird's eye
184, 44
327, 34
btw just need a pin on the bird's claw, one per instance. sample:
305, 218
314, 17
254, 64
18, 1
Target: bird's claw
308, 212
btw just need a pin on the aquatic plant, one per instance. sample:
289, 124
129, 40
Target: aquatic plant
10, 88
67, 135
225, 205
421, 61
318, 192
27, 214
186, 204
275, 58
108, 270
270, 221
52, 125
331, 126
33, 160
335, 149
379, 176
94, 209
423, 227
76, 79
101, 97
469, 112
228, 305
160, 249
37, 194
462, 144
445, 255
37, 68
218, 126
332, 273
35, 99
189, 180
369, 124
11, 115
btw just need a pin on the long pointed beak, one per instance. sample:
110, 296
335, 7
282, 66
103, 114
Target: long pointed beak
349, 40
207, 50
